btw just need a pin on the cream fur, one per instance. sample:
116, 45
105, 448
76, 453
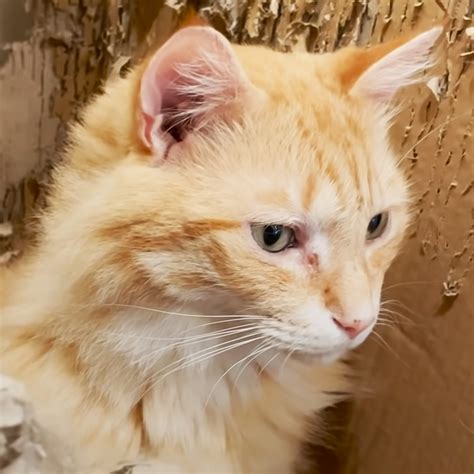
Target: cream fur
133, 258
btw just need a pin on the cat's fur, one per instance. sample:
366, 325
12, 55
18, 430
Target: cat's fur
144, 232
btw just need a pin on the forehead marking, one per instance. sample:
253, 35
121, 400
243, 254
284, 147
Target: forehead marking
309, 189
326, 202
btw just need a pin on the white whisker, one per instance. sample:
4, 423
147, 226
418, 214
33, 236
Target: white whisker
387, 346
189, 361
249, 356
150, 357
424, 137
408, 283
260, 372
182, 338
285, 360
174, 313
266, 345
205, 339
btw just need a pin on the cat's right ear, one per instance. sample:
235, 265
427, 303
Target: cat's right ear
193, 79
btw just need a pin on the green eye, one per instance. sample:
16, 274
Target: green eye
377, 226
274, 237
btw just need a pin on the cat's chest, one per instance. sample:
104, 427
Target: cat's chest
259, 423
250, 429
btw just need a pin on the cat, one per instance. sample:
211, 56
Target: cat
214, 244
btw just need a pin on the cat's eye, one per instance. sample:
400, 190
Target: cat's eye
377, 226
274, 237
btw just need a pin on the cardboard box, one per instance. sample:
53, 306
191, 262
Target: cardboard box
415, 415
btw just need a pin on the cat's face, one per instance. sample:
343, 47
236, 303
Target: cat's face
291, 209
298, 230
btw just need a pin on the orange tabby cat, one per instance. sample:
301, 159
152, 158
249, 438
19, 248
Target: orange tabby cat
216, 239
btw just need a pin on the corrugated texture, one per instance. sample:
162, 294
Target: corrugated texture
54, 53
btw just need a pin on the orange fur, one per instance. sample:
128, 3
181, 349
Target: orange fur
190, 17
133, 256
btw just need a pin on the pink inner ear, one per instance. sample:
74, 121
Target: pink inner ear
186, 83
399, 68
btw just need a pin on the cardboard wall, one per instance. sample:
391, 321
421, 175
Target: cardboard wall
53, 56
417, 414
420, 418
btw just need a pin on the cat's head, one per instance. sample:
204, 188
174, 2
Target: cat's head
265, 184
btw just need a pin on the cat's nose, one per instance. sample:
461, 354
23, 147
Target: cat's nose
352, 327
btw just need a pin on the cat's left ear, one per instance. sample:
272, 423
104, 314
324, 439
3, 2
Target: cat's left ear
378, 72
192, 80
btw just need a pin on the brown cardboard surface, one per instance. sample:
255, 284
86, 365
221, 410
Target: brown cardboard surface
416, 416
419, 418
53, 56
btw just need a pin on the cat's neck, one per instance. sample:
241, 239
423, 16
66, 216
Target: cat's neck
222, 356
207, 369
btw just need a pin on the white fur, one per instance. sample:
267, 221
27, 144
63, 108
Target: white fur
206, 385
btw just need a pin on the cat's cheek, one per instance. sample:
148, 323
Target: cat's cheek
382, 252
381, 257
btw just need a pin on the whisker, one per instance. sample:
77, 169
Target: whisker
267, 345
407, 283
403, 306
387, 346
249, 356
268, 362
196, 339
285, 360
396, 317
203, 351
216, 349
185, 360
383, 324
402, 316
174, 313
182, 338
206, 339
229, 320
407, 308
424, 137
385, 321
207, 353
206, 357
385, 302
387, 318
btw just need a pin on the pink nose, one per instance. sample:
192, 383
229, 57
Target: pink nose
351, 327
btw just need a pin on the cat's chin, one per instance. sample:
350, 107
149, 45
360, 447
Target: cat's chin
327, 357
333, 356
